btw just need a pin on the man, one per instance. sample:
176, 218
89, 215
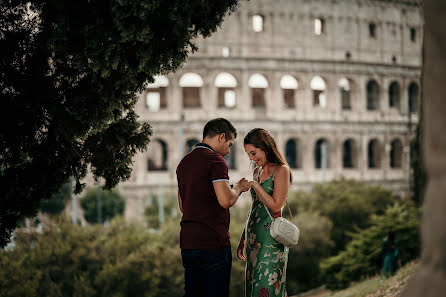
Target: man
204, 197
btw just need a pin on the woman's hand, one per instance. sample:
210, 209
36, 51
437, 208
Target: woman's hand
253, 184
241, 250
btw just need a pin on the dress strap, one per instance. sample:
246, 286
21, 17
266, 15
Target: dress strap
272, 174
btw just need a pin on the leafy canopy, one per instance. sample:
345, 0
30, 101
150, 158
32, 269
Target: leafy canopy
69, 73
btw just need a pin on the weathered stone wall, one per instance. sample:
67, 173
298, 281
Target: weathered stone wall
289, 46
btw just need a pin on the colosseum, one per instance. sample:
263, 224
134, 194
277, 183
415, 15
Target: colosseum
335, 82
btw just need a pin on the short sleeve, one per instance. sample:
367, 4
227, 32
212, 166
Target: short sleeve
219, 169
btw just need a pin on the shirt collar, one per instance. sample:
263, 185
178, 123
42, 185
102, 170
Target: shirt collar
204, 145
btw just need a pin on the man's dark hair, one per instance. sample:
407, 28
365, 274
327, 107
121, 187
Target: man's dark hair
218, 126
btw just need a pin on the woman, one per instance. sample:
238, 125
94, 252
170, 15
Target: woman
267, 259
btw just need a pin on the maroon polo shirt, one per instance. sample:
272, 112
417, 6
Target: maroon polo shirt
205, 224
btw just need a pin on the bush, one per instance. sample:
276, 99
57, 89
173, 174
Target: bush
303, 271
56, 204
348, 204
112, 204
67, 260
362, 257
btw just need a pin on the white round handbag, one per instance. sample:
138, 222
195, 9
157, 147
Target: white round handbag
283, 230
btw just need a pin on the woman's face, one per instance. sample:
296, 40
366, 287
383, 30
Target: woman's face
255, 154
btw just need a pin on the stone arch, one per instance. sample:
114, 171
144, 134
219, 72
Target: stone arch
321, 153
396, 153
374, 153
414, 94
155, 94
349, 154
394, 95
373, 94
258, 84
293, 153
319, 87
191, 84
226, 84
190, 144
157, 155
289, 85
345, 90
231, 159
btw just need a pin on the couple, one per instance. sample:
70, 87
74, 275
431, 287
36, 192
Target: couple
205, 196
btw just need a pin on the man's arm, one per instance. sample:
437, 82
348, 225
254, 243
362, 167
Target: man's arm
225, 195
180, 202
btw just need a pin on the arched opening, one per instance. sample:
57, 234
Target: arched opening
288, 84
396, 153
231, 159
372, 30
349, 154
156, 93
257, 23
319, 26
318, 86
157, 155
321, 149
345, 90
191, 84
372, 95
226, 84
413, 97
190, 144
258, 84
293, 154
373, 152
394, 95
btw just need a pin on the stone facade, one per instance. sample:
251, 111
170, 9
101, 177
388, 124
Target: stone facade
322, 75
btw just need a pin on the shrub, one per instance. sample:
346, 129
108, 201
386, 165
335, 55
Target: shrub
348, 204
112, 204
362, 256
56, 204
303, 271
68, 260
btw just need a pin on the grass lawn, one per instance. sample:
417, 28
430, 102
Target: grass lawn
375, 286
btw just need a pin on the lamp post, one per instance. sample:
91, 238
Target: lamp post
99, 203
73, 203
324, 160
409, 132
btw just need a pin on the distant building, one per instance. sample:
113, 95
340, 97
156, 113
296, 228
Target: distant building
337, 83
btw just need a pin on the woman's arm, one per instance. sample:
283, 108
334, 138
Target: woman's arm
241, 247
281, 187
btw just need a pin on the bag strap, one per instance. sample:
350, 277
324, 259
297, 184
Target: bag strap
267, 210
286, 201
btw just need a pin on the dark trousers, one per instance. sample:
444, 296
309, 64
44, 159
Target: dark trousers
207, 272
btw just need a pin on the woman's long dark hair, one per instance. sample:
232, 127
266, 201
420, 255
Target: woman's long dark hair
260, 138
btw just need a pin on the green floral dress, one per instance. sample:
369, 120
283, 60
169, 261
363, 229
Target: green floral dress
267, 259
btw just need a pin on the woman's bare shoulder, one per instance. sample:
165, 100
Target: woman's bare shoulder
282, 170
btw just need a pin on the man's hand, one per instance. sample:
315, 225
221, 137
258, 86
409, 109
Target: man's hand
242, 185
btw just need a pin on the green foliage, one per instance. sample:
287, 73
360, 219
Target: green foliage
239, 215
67, 260
362, 256
348, 204
112, 203
56, 204
133, 260
69, 74
303, 271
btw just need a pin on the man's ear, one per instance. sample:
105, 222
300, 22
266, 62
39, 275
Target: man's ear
222, 137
